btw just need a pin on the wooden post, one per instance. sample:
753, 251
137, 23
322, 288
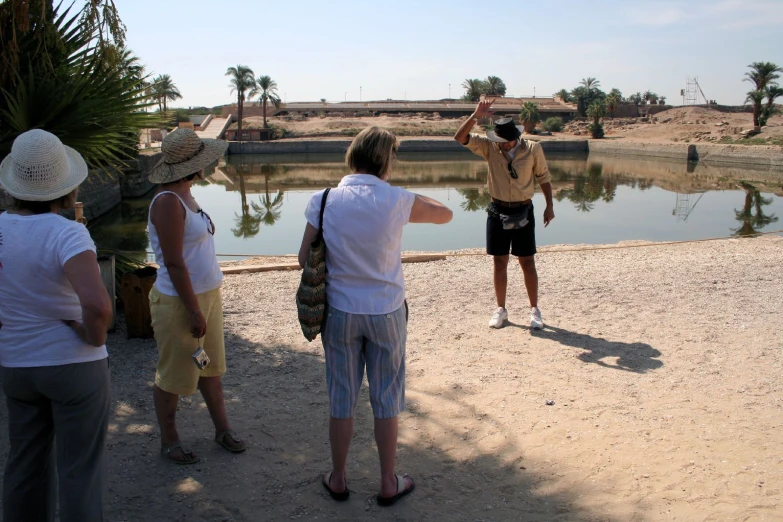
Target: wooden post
136, 288
79, 213
106, 265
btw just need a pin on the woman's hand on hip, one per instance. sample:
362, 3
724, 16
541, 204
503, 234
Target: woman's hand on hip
198, 325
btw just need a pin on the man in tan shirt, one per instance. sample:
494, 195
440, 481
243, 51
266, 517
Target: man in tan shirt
513, 165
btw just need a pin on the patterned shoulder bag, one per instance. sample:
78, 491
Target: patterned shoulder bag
311, 295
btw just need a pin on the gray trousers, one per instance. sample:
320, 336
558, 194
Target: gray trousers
69, 404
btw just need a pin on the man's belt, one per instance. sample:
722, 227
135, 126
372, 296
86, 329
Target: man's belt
511, 204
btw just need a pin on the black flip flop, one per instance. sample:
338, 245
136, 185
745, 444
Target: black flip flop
401, 491
342, 496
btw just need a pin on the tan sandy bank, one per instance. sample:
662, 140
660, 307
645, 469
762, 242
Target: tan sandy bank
664, 365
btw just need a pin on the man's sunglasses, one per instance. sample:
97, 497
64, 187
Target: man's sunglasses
211, 227
512, 172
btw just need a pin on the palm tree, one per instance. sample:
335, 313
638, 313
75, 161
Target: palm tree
612, 102
266, 89
494, 86
772, 92
580, 95
596, 111
591, 84
756, 98
529, 116
617, 92
242, 81
564, 95
165, 90
69, 80
474, 88
762, 74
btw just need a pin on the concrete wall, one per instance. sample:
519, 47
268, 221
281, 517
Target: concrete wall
761, 156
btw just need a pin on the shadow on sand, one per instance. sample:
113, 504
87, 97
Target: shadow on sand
631, 357
277, 401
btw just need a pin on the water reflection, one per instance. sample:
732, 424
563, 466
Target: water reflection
752, 217
475, 199
261, 200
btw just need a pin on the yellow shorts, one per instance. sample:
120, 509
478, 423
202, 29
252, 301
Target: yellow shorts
176, 372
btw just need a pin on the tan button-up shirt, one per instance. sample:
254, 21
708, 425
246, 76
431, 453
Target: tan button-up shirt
529, 163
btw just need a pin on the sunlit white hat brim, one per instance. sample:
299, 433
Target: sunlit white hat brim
19, 189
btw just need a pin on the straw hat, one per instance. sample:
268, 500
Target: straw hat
41, 168
505, 131
184, 153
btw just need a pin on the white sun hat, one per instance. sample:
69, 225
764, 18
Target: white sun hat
41, 168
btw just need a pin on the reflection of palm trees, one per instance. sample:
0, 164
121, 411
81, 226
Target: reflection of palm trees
475, 199
752, 214
589, 189
269, 209
247, 225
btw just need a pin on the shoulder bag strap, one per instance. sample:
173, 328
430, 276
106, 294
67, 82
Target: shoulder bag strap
321, 216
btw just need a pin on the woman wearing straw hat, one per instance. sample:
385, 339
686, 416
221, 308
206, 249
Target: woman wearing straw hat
185, 303
55, 312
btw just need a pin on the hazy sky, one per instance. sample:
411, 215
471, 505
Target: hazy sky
415, 48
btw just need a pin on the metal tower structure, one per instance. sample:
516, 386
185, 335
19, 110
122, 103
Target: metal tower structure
692, 91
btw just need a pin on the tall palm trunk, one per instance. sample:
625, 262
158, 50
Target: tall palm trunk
263, 109
239, 116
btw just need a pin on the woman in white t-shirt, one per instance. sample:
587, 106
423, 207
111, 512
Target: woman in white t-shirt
367, 315
55, 312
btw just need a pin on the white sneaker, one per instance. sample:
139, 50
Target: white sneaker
498, 318
536, 323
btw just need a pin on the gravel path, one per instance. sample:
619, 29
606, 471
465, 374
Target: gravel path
663, 365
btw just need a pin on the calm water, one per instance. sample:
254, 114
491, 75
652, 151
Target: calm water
257, 202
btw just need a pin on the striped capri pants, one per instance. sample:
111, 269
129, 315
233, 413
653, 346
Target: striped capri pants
353, 341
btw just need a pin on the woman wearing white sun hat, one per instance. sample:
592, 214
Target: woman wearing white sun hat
54, 311
185, 303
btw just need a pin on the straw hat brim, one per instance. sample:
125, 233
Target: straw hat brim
169, 172
497, 139
77, 173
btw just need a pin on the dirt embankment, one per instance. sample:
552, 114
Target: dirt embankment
679, 125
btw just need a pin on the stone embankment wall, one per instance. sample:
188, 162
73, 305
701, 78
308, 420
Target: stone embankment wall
761, 156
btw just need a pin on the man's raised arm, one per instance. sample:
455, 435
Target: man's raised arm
482, 109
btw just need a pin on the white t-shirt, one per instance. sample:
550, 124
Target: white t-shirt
363, 224
35, 295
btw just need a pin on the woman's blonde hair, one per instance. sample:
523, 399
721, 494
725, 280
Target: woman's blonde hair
372, 152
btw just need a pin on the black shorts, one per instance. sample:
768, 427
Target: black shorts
521, 242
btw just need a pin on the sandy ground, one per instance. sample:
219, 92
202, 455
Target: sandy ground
663, 363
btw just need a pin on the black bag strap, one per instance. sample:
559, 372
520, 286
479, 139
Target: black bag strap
321, 215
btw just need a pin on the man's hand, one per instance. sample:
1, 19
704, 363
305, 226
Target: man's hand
549, 215
484, 108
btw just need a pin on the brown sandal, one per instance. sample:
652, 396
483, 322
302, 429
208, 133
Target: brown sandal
188, 457
237, 447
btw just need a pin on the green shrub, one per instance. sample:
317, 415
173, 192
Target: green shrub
554, 124
596, 130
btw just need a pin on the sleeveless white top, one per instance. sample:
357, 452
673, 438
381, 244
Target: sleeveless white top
198, 251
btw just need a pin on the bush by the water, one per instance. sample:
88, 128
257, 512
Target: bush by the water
596, 130
554, 124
